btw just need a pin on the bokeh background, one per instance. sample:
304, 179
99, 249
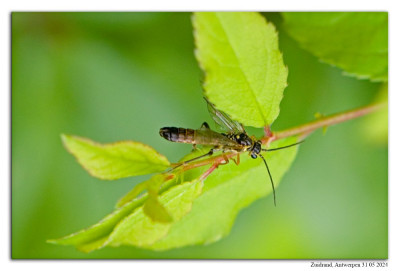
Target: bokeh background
122, 76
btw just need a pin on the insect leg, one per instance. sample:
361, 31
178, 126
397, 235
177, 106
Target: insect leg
194, 159
226, 159
237, 160
198, 157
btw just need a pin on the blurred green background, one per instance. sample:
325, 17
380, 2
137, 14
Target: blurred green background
122, 76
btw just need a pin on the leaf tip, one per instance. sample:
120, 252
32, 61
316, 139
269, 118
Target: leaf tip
54, 241
66, 139
51, 241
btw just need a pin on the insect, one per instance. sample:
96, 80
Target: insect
234, 140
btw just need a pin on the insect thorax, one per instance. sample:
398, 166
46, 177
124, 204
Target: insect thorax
242, 139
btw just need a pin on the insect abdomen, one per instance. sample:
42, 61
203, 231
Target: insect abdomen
178, 134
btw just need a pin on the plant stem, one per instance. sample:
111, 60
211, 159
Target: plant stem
310, 127
302, 130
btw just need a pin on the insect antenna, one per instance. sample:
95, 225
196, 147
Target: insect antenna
284, 147
266, 165
270, 177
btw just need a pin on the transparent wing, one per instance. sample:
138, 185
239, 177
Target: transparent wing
223, 121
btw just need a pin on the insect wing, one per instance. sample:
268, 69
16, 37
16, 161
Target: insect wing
223, 121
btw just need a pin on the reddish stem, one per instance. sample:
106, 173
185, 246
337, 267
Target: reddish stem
302, 130
308, 128
267, 131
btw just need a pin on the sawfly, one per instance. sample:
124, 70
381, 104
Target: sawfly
234, 139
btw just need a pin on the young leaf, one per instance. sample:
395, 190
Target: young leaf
129, 224
357, 42
156, 211
213, 208
116, 160
375, 126
131, 195
96, 236
244, 71
152, 207
139, 230
228, 190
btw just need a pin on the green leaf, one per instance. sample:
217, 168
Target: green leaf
116, 160
357, 42
131, 195
139, 230
213, 208
95, 237
156, 211
244, 71
130, 225
375, 126
152, 207
226, 191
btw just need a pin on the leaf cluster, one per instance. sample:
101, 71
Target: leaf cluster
245, 77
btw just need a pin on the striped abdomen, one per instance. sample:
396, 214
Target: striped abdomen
178, 134
202, 136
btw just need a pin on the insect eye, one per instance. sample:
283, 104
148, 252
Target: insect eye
253, 155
